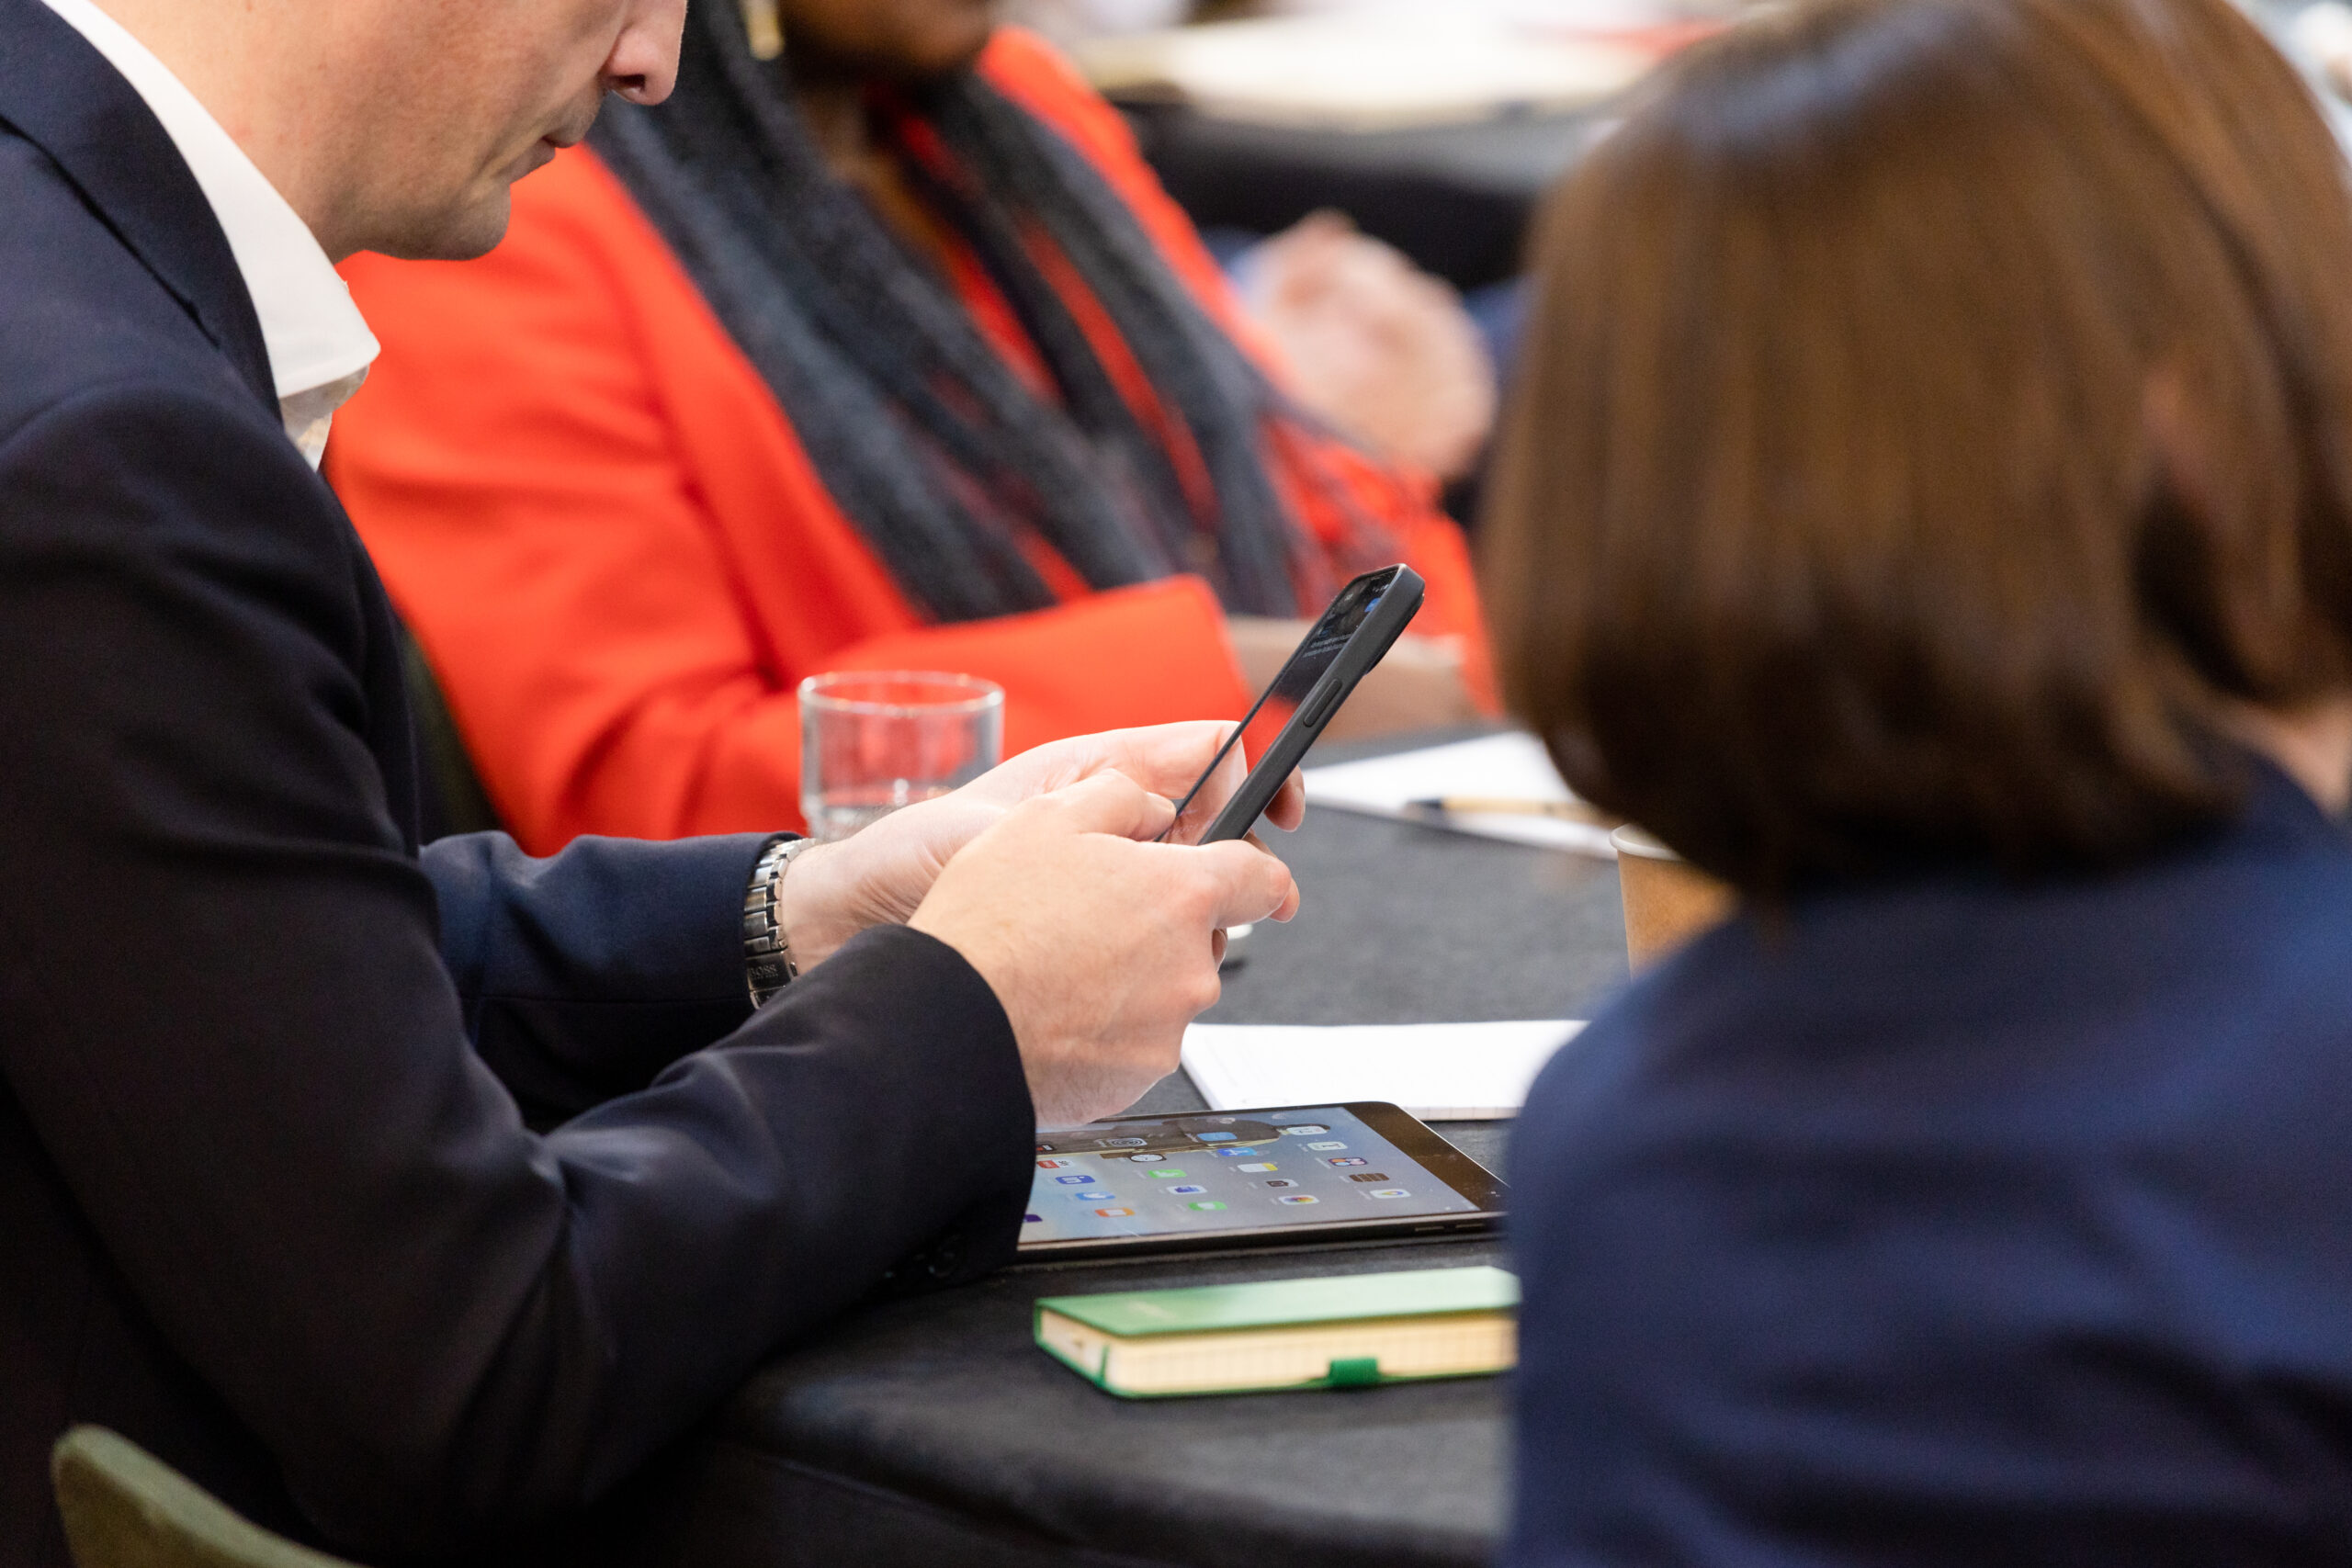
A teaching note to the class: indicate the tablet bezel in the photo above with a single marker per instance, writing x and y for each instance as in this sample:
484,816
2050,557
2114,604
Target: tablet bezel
1413,1137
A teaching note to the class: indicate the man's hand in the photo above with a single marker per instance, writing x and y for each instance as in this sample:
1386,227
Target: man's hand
878,876
1100,944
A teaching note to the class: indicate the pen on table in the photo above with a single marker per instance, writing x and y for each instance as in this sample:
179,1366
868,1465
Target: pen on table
1497,805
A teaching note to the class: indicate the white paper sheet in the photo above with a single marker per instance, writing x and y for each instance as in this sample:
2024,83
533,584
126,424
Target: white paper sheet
1510,766
1439,1072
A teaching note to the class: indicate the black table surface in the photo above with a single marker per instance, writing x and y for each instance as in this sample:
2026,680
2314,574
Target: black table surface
933,1431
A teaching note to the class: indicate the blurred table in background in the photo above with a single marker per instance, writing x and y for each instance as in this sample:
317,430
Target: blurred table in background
1445,151
1456,198
1436,125
931,1433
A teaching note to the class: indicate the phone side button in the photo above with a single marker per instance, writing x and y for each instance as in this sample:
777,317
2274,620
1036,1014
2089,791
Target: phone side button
1320,704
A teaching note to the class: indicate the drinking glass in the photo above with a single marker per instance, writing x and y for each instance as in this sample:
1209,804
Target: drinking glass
873,742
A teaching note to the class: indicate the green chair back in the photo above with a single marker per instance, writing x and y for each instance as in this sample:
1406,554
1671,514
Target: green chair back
125,1508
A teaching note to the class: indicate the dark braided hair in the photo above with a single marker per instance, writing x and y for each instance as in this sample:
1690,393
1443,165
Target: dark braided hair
926,438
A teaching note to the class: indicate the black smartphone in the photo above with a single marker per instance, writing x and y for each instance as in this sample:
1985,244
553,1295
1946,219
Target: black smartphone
1216,1179
1353,636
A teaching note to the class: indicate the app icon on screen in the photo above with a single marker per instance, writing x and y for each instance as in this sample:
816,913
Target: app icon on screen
1282,1182
1189,1188
1123,1143
1305,1129
1205,1207
1056,1164
1369,1176
1033,1219
1168,1173
1235,1154
1072,1181
1389,1192
1114,1213
1327,1146
1045,1148
1343,1160
1298,1198
1144,1159
1094,1197
1261,1169
1218,1137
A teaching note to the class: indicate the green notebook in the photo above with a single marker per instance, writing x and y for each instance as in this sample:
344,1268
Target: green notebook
1336,1331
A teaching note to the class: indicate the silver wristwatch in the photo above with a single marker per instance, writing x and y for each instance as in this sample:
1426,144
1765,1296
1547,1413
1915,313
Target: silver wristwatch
768,965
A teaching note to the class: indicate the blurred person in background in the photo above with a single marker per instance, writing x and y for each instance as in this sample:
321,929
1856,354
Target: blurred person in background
1930,512
878,347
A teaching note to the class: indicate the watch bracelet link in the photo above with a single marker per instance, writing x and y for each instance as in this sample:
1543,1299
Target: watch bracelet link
768,964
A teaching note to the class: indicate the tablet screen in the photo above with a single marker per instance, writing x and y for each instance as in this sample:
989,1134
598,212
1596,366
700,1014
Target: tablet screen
1216,1172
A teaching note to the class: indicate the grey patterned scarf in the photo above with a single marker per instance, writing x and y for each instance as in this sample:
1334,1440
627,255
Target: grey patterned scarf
922,433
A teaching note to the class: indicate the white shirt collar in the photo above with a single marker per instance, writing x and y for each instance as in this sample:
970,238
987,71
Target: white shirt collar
319,345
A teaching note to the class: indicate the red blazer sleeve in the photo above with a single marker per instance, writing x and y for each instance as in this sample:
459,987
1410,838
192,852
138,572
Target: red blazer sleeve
621,564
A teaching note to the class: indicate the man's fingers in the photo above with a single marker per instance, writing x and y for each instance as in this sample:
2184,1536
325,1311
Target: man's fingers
1220,786
1170,758
1250,885
1288,809
1290,905
1109,802
1166,759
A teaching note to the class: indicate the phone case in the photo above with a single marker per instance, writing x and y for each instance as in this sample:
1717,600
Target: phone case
1398,605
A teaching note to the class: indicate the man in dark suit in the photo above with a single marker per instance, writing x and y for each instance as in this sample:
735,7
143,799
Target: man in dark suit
270,1201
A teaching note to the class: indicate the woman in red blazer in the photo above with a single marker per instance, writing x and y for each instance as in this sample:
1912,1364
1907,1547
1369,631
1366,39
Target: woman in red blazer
889,353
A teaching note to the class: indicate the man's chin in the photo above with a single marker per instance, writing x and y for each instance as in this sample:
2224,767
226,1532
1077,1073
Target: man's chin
457,234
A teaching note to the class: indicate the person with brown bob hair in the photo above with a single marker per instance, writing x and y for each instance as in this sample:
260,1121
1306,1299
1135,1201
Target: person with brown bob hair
1928,506
1936,436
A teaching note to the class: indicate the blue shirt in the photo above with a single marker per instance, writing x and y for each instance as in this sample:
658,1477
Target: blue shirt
1955,1223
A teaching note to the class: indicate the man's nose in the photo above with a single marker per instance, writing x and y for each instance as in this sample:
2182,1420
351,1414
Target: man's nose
643,66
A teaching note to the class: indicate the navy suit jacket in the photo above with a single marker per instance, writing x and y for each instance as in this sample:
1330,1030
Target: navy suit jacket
1955,1223
269,1199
